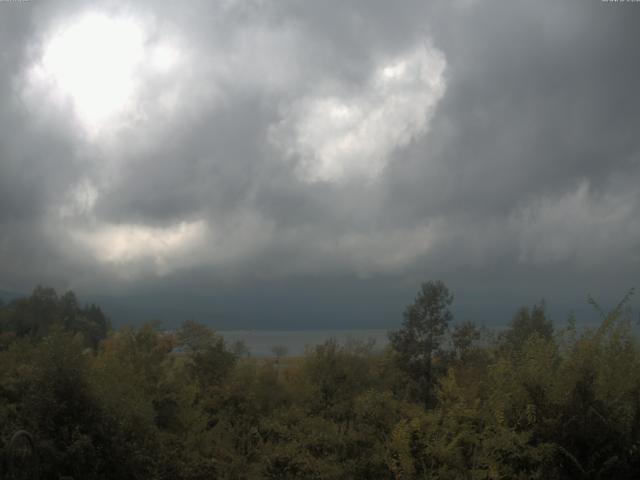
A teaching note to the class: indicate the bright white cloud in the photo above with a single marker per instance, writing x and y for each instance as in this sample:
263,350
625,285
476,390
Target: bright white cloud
128,245
95,64
352,135
164,57
131,250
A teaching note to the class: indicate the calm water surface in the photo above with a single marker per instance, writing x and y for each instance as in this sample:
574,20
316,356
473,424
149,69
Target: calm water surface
261,342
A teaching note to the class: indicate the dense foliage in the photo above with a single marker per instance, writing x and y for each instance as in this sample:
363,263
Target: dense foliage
142,403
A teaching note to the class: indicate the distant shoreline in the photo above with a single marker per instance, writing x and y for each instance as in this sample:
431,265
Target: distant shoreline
261,342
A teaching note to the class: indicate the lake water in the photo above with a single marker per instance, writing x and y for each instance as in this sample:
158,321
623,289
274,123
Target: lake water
261,342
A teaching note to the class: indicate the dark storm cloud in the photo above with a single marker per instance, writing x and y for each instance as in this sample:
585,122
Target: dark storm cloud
525,169
540,100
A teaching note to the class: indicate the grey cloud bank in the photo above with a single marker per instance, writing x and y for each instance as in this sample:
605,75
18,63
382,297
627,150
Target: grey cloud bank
301,165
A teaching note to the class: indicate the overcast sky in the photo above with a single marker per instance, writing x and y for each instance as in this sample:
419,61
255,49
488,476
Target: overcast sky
307,164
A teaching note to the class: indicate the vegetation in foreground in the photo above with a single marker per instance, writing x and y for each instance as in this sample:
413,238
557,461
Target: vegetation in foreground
441,402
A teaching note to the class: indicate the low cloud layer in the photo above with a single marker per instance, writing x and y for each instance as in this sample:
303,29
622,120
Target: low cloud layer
247,144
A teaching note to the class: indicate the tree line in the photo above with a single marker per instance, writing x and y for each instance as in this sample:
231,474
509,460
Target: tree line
441,401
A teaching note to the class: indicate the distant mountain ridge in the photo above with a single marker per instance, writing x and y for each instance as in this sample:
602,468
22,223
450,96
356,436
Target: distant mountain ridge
7,296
